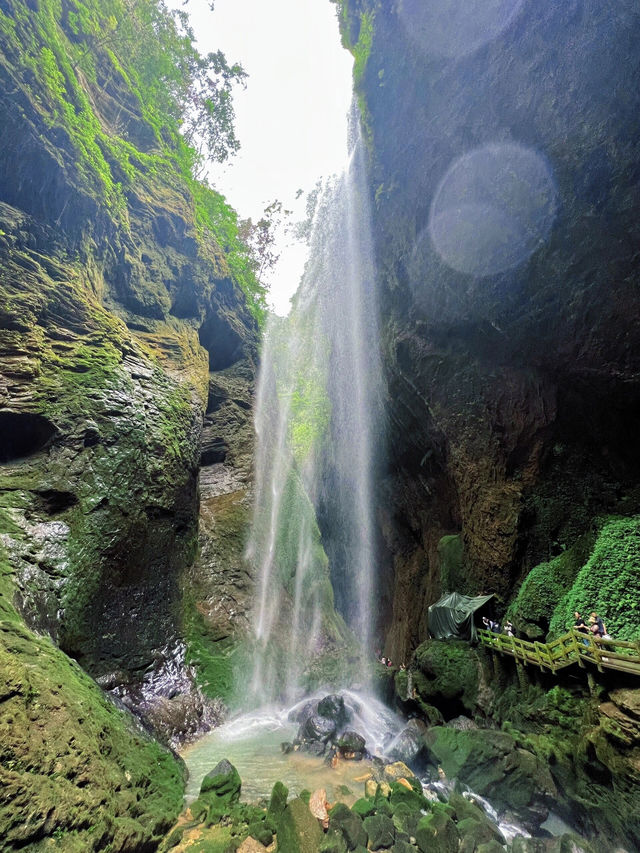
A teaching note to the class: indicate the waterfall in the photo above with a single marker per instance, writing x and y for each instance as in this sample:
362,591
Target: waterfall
317,426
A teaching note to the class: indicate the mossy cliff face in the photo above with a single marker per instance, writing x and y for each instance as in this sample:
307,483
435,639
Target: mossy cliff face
513,387
76,773
123,293
512,395
562,743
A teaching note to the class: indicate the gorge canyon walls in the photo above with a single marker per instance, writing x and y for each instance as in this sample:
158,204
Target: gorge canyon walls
513,387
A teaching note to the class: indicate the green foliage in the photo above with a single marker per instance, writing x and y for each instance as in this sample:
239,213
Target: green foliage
173,109
74,768
216,218
362,48
545,586
608,583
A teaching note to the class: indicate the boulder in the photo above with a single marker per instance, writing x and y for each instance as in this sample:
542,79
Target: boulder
409,745
317,727
437,833
332,707
318,806
300,714
370,788
380,830
277,802
221,786
298,830
349,824
334,843
397,770
403,795
351,744
363,807
492,765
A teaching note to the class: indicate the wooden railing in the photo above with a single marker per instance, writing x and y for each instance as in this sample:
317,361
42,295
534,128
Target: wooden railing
573,647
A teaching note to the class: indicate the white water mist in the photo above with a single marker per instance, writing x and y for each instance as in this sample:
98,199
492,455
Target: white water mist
317,421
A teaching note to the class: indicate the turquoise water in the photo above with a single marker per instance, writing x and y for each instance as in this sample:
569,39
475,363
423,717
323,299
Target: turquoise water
252,743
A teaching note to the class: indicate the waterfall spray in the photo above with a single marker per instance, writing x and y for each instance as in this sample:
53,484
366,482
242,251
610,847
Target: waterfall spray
317,420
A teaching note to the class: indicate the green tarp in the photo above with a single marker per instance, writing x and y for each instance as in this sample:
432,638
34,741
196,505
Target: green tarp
452,616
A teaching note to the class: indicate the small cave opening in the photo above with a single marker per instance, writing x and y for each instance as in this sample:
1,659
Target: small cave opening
221,341
23,434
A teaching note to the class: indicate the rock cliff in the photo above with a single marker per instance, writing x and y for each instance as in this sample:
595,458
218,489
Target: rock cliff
128,339
504,165
504,169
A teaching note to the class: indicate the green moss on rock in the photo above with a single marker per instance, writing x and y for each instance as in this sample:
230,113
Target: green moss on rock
545,586
609,582
75,770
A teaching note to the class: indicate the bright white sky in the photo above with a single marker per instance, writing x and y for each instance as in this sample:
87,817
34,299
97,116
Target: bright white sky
292,118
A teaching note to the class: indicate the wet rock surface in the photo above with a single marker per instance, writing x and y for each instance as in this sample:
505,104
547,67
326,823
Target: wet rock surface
402,817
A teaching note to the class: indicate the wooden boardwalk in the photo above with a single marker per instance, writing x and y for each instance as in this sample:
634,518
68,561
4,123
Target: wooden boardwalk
573,647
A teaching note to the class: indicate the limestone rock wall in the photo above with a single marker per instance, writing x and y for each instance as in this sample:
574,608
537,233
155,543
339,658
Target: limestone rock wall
512,394
118,302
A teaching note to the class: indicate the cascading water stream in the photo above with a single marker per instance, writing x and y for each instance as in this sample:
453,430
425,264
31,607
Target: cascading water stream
317,426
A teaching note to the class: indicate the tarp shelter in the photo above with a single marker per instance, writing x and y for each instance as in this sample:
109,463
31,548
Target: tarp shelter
453,616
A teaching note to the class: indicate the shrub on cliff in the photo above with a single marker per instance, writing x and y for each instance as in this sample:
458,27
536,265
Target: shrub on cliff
608,583
545,586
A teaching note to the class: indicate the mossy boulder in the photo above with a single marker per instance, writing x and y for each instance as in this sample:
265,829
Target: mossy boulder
380,831
437,833
298,830
493,765
363,807
349,824
447,674
277,801
222,785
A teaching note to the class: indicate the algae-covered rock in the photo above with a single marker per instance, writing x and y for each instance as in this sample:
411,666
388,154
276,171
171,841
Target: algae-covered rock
437,833
222,785
277,801
349,823
380,830
334,842
363,807
491,764
298,830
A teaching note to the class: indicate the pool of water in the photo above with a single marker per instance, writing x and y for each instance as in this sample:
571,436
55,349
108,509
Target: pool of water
252,743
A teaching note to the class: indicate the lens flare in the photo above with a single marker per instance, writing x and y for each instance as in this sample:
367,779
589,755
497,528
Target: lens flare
454,28
494,207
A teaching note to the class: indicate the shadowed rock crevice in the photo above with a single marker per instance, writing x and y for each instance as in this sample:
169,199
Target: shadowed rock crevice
23,434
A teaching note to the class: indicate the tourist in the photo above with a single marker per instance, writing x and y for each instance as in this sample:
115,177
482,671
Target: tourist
602,628
596,626
383,660
581,625
508,628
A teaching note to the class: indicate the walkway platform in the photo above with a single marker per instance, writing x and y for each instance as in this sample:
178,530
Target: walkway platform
573,647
